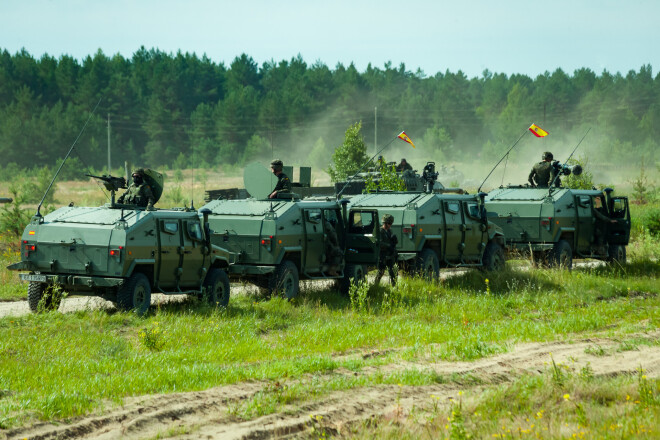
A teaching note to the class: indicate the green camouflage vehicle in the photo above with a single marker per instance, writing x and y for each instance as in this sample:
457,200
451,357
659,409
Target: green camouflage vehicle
436,230
281,241
556,225
122,253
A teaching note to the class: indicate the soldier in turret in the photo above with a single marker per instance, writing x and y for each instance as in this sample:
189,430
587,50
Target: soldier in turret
283,185
387,256
139,192
403,166
543,172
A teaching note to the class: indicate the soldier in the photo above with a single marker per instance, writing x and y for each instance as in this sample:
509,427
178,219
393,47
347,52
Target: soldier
333,251
387,256
283,185
600,227
403,166
543,172
139,192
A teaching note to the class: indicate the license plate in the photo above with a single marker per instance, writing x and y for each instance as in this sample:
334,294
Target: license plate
31,277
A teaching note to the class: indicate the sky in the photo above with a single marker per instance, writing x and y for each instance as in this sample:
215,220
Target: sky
506,36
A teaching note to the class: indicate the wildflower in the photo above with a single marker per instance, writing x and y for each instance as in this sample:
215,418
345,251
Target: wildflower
567,397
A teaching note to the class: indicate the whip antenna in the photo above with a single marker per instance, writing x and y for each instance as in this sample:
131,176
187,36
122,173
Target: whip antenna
499,161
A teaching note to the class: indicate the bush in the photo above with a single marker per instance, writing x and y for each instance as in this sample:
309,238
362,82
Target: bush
350,156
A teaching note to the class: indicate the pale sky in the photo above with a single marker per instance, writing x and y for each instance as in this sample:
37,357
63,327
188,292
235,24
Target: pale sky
506,36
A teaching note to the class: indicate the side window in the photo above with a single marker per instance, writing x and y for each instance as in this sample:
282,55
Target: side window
195,231
472,210
361,222
584,201
313,216
171,227
453,207
619,208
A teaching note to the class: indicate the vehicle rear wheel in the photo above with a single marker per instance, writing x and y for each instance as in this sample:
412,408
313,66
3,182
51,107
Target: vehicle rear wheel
353,274
42,298
616,253
285,280
427,265
561,255
135,294
216,287
493,258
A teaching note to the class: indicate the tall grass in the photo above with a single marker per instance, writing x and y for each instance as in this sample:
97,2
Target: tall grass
59,365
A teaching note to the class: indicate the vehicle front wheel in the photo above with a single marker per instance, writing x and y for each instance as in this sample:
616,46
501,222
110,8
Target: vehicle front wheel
493,258
285,280
616,253
427,265
353,274
43,297
135,294
216,287
561,255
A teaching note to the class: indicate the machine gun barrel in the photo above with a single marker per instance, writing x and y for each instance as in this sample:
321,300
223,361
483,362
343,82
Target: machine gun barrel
111,183
6,200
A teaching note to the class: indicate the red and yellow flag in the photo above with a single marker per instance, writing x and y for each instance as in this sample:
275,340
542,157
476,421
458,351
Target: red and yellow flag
537,131
404,137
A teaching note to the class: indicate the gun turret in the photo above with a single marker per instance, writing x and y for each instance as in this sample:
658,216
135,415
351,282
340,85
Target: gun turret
429,175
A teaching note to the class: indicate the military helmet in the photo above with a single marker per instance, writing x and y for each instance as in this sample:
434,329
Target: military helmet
139,172
388,218
276,164
547,155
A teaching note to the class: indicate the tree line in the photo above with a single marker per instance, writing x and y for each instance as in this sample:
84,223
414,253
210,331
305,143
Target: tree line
183,110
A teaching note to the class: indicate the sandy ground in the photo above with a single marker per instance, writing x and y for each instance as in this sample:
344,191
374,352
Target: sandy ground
208,414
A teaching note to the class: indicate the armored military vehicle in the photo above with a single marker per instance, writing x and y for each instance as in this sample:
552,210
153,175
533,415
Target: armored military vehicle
556,225
281,241
122,253
436,229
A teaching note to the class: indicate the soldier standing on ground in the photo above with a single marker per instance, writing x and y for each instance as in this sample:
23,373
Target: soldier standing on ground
283,185
387,256
403,166
543,172
139,192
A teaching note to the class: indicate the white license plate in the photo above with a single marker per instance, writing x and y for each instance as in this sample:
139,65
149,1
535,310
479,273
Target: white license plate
31,277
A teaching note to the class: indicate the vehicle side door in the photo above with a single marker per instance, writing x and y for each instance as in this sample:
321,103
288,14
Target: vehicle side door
192,245
474,232
585,227
313,250
619,232
454,236
169,232
362,237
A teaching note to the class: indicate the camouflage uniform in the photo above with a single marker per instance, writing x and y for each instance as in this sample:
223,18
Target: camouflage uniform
543,173
333,251
283,185
403,166
139,194
387,256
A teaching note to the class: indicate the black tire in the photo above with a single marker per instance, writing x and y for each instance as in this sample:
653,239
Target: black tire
616,254
353,274
427,265
40,299
216,285
285,279
135,294
493,258
561,255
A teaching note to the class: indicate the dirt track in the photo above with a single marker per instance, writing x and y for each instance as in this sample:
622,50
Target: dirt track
207,414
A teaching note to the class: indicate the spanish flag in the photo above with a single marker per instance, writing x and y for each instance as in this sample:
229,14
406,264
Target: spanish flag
537,131
404,137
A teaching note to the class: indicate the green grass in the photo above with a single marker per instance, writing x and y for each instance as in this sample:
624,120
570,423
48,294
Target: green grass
56,366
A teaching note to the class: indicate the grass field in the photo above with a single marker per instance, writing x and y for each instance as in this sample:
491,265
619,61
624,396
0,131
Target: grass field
57,367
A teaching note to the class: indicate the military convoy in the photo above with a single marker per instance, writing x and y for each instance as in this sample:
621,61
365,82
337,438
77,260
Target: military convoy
557,224
122,253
